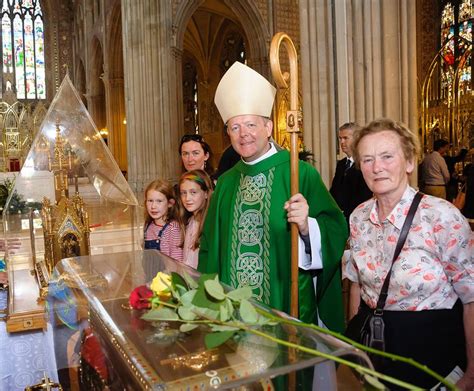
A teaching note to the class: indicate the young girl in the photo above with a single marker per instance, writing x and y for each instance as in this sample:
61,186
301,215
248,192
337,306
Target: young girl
195,189
162,232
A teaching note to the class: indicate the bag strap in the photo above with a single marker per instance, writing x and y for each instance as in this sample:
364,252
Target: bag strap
401,241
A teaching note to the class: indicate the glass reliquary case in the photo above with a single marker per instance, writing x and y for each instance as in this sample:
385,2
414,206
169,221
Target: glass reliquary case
69,199
118,349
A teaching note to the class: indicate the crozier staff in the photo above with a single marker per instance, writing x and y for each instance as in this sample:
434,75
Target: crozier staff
429,310
246,236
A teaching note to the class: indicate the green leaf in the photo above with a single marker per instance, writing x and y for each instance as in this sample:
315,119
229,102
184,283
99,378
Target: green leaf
207,313
188,297
181,290
240,293
248,312
212,340
177,279
230,307
161,314
263,321
224,313
187,313
174,292
204,277
178,282
202,299
215,289
187,327
192,284
372,383
218,327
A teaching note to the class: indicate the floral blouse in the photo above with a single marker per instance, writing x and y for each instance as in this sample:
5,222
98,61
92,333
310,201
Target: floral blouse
435,266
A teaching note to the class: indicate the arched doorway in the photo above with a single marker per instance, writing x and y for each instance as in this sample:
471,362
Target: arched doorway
212,36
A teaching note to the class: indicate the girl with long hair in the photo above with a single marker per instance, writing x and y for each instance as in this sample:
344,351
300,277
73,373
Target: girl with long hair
195,189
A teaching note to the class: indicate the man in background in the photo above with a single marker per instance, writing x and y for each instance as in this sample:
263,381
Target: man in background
348,185
454,179
434,170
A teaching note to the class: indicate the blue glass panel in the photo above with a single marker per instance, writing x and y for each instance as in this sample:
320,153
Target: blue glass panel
40,69
29,58
19,57
7,45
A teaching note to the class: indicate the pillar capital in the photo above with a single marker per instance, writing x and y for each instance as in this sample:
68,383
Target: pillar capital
176,53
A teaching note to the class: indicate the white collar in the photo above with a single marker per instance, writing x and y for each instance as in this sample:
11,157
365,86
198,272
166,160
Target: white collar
267,154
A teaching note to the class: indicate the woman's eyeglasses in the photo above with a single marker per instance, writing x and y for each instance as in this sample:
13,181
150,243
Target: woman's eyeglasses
192,137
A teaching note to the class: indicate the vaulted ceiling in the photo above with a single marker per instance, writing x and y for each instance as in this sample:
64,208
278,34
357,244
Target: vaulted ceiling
206,29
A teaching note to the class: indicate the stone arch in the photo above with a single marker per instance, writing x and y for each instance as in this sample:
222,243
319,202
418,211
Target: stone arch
246,18
96,88
247,14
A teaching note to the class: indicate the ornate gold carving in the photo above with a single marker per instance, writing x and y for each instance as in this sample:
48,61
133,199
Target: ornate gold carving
42,275
65,224
195,361
45,384
18,125
446,112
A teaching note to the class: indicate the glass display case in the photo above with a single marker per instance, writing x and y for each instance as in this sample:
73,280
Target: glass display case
69,199
131,353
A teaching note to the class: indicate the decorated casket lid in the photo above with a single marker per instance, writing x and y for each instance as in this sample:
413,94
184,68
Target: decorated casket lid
155,354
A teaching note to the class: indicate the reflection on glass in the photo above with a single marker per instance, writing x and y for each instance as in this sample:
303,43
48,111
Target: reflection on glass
68,160
150,355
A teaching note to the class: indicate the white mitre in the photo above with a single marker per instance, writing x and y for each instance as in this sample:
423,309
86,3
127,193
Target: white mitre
243,91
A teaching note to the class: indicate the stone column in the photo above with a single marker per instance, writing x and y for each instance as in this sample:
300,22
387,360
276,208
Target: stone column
318,83
358,64
117,139
95,105
150,91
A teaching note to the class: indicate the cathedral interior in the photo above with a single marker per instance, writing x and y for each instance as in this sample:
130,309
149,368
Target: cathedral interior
147,71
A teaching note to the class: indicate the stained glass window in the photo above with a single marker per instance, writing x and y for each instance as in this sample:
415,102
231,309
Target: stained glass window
23,48
456,44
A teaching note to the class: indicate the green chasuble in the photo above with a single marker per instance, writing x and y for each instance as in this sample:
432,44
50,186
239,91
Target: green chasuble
246,238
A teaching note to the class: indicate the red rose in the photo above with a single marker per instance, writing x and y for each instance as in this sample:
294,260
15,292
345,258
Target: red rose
140,297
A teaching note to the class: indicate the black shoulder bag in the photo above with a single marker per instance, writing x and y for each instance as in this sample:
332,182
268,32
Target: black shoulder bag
367,326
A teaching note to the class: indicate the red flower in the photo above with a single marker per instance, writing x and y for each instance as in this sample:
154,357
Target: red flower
140,297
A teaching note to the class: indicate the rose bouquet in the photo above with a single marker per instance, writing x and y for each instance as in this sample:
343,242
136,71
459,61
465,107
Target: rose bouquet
143,297
228,314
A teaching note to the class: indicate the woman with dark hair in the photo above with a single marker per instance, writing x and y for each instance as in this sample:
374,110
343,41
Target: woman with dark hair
195,153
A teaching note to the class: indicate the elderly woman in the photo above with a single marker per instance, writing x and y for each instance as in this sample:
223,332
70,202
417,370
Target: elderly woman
429,311
195,153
